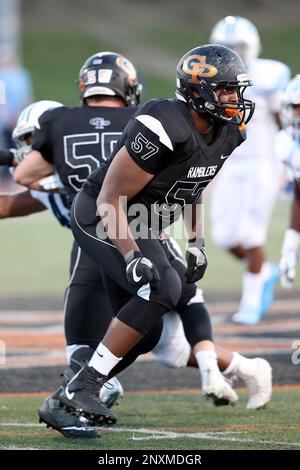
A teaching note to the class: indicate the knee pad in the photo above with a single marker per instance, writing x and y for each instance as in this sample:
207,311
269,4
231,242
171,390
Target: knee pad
170,288
142,312
172,350
141,315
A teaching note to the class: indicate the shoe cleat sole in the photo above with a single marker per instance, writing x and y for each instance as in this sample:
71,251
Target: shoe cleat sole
216,400
98,420
93,434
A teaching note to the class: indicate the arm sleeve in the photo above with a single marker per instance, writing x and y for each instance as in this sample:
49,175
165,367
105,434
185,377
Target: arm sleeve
6,157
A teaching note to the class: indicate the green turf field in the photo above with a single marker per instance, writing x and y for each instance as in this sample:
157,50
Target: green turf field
36,255
165,422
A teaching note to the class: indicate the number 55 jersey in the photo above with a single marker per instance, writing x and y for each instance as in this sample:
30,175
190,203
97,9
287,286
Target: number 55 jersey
163,140
77,139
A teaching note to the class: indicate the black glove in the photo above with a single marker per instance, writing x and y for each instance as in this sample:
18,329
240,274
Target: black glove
196,260
6,157
139,270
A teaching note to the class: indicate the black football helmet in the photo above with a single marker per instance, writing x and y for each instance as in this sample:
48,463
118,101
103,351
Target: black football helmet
201,70
109,74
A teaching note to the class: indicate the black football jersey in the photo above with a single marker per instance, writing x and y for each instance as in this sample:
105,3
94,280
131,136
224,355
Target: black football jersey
163,140
77,139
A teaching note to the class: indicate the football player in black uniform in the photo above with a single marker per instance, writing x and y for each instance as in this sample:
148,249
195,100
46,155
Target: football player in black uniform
74,142
168,153
196,305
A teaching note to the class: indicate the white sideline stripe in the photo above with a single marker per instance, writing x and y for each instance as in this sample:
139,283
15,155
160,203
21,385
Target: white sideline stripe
156,127
161,434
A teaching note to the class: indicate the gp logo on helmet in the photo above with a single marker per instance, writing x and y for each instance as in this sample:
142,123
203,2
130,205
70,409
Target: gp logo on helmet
196,66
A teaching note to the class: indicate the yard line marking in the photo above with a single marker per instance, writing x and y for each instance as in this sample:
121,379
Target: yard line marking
206,436
227,429
156,434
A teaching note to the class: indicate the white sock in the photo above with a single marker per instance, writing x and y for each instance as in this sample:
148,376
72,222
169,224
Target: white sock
240,364
252,289
206,360
103,360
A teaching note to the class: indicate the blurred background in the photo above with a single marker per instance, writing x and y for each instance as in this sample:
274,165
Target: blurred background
52,40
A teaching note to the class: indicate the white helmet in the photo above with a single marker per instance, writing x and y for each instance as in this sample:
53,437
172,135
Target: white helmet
28,119
239,34
291,98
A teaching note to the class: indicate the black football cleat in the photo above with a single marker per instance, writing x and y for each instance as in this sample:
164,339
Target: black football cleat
81,395
55,416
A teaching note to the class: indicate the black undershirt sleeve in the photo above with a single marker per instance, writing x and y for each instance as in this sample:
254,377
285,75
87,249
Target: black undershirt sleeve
6,158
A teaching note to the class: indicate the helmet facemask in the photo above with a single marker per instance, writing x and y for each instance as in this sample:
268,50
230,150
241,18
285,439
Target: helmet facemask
205,70
24,140
203,98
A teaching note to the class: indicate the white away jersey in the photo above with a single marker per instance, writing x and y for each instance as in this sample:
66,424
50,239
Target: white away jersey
270,78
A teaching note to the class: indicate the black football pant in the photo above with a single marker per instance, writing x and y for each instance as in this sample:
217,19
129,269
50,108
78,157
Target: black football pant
144,306
87,309
88,312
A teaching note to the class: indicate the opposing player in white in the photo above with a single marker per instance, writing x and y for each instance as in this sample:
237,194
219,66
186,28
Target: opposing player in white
173,350
287,147
245,191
